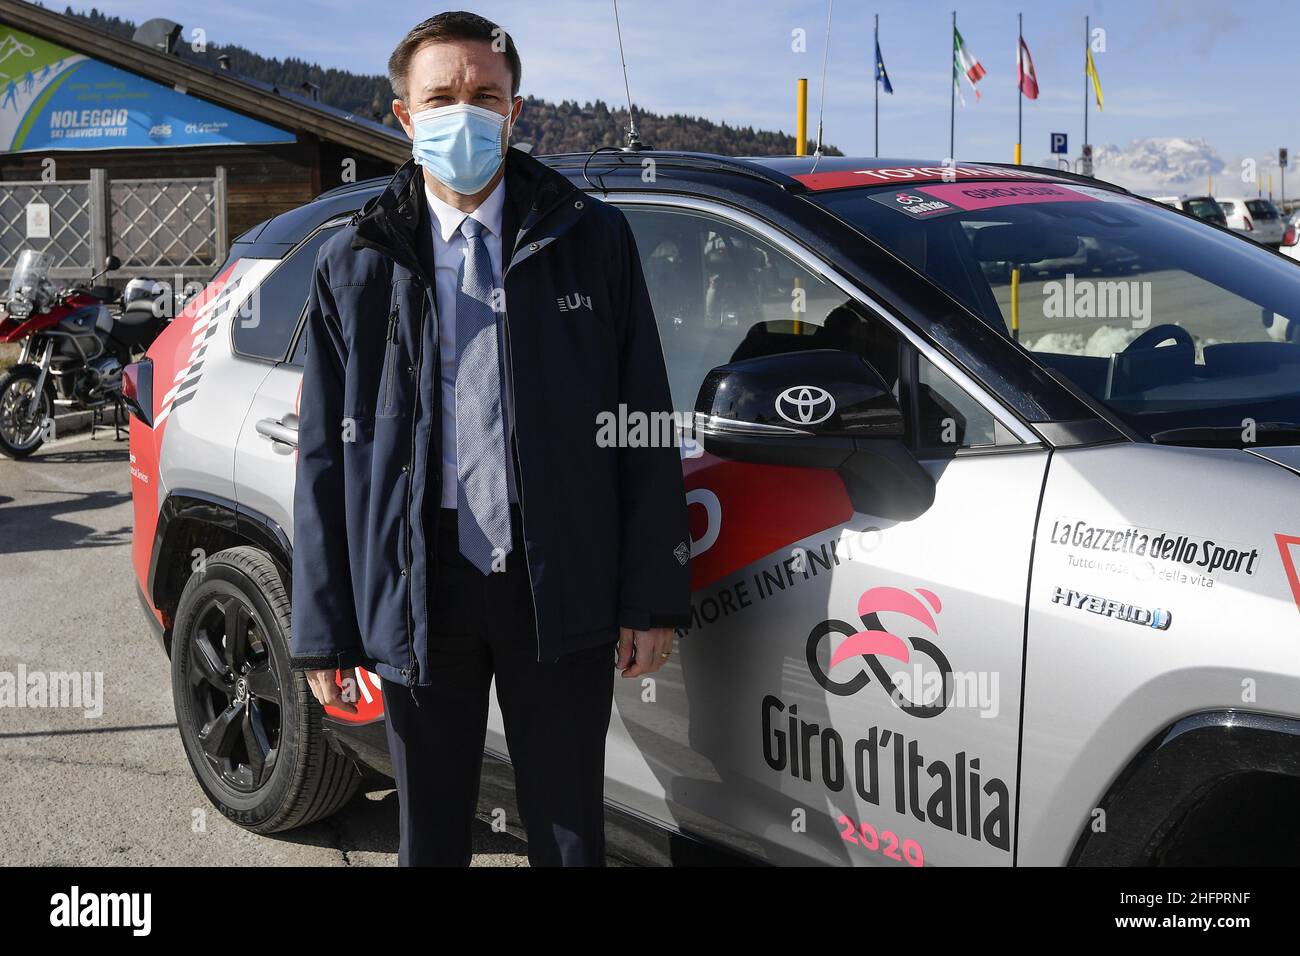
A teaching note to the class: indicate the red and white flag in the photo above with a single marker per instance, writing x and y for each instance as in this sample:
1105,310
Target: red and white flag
1025,71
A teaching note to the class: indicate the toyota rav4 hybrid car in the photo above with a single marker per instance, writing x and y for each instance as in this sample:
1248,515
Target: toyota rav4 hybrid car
978,577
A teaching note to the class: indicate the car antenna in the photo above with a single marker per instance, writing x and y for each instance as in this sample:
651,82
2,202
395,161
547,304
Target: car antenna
821,100
632,139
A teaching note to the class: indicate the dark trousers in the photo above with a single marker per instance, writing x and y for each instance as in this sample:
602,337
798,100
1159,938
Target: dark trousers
556,714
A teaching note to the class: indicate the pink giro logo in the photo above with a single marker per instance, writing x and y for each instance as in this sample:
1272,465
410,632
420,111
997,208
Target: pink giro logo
875,641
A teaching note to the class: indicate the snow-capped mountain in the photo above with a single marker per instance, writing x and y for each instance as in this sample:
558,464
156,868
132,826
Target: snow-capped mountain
1165,165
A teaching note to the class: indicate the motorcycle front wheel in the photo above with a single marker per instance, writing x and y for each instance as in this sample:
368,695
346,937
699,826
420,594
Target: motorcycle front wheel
22,431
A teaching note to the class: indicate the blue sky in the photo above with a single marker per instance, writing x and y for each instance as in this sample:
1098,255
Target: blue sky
1210,69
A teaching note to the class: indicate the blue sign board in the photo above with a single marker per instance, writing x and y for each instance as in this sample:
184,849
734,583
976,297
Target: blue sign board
52,98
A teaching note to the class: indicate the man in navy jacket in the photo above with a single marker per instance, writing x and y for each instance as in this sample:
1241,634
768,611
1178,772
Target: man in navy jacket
457,516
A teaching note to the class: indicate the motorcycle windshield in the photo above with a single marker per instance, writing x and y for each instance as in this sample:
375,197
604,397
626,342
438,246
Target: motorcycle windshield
29,273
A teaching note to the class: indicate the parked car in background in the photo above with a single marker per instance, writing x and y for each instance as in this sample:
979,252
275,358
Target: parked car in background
1089,257
1257,219
1202,207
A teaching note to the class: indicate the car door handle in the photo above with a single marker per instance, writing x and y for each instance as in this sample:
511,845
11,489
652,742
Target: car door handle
283,430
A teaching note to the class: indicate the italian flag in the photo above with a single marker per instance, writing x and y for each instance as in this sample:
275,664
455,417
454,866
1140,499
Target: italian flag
963,61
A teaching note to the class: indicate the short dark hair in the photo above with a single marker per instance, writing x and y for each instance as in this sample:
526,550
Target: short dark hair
452,25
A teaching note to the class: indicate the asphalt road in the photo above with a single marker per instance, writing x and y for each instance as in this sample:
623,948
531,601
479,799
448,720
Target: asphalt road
115,789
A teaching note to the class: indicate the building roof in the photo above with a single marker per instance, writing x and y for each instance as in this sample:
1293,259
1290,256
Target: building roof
260,100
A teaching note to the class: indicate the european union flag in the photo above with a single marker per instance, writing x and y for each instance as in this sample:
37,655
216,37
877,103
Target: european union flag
882,77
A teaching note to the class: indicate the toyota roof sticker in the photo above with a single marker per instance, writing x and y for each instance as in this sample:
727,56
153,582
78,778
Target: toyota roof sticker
840,179
971,196
929,202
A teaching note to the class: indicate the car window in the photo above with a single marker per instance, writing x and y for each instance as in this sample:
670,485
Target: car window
266,320
1261,208
721,294
949,417
1206,209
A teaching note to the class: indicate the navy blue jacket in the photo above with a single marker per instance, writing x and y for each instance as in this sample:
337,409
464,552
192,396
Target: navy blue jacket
605,529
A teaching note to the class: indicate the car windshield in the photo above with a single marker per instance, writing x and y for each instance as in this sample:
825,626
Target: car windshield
1167,321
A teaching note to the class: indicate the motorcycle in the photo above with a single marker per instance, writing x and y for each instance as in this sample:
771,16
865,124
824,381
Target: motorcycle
74,348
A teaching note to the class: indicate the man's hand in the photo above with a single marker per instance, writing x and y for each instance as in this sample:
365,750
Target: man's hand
327,691
643,652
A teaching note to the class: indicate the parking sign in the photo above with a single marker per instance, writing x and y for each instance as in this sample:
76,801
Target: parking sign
1059,143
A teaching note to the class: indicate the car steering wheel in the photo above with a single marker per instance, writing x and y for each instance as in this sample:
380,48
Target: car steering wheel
1157,334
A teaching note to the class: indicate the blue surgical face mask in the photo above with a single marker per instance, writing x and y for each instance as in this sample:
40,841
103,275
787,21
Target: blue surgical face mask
460,145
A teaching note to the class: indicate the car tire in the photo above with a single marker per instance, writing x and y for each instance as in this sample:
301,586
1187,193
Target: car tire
13,379
252,731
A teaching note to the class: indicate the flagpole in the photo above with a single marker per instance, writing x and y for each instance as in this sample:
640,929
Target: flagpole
1020,84
876,71
952,94
1087,32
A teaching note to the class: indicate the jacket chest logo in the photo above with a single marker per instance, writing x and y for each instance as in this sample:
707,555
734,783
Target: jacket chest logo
573,302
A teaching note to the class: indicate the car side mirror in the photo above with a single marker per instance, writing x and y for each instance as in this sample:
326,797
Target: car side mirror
821,408
112,263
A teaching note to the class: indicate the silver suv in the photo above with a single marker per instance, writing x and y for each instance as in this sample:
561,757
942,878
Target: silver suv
1043,610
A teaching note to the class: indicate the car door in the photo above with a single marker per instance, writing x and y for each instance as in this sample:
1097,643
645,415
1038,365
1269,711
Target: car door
761,734
266,454
204,390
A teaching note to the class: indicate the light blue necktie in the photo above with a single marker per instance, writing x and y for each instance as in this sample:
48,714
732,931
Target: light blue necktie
482,492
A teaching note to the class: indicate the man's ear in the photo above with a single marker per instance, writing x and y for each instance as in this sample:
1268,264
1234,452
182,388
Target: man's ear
516,110
404,117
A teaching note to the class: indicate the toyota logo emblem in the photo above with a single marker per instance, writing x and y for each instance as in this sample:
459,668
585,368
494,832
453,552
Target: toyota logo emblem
805,405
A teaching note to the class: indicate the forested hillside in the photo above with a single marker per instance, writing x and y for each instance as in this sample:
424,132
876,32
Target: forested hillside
551,127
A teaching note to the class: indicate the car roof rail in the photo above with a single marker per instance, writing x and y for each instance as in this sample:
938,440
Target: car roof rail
621,158
671,159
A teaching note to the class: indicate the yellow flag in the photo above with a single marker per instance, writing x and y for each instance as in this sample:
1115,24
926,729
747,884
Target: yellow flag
1096,80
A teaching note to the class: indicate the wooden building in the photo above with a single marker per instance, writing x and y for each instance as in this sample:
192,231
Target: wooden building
90,100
